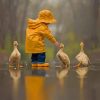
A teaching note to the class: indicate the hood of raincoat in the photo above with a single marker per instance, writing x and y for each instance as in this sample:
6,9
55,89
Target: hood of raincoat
33,24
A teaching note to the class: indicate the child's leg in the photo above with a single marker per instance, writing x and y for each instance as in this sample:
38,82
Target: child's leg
39,70
41,57
41,61
34,58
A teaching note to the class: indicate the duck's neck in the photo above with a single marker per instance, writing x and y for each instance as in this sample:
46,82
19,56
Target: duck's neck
82,48
61,49
15,47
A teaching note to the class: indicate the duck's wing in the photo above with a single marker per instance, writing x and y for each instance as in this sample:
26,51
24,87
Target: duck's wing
62,59
67,58
78,56
11,56
82,57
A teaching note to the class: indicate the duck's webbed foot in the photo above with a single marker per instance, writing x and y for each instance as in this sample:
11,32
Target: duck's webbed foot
78,65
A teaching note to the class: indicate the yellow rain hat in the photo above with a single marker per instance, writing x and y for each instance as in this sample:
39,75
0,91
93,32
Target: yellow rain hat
46,16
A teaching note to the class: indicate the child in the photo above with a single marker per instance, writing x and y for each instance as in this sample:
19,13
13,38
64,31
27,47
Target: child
37,30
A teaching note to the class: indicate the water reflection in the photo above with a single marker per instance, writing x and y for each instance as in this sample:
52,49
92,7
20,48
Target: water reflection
34,85
82,71
15,74
61,73
38,87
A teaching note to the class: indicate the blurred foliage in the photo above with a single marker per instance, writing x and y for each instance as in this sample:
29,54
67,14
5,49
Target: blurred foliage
72,46
79,22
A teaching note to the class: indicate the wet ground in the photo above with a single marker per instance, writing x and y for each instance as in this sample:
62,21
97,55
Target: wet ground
25,86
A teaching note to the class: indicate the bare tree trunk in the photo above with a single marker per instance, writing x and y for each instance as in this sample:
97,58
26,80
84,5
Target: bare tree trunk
13,18
94,34
3,25
23,19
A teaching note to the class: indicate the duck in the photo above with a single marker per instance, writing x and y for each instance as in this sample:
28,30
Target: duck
63,69
82,57
63,57
15,56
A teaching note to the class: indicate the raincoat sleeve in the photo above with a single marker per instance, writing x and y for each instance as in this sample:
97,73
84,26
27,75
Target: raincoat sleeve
49,36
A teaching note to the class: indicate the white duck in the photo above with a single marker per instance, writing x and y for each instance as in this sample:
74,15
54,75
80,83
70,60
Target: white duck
15,56
82,57
63,57
65,66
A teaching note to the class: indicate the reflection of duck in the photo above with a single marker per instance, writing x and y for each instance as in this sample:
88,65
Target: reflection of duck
15,74
82,71
61,72
15,55
82,57
63,57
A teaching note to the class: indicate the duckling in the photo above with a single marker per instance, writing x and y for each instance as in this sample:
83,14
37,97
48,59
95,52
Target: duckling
82,57
15,56
63,57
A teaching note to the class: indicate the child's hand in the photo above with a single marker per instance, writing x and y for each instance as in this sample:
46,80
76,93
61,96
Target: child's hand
61,45
57,44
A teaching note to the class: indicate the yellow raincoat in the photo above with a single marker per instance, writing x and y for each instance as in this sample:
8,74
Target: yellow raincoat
36,32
